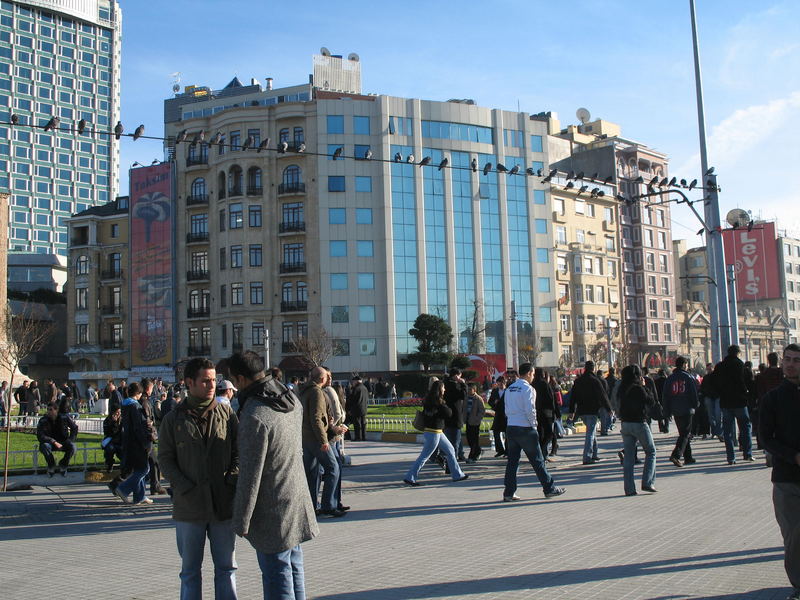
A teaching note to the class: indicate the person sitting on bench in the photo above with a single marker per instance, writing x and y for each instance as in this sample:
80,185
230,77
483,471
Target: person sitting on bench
56,432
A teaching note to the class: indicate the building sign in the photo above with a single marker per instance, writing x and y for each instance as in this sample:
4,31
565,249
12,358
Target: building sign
755,258
151,256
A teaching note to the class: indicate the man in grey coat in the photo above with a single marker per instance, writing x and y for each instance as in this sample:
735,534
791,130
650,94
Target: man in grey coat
272,508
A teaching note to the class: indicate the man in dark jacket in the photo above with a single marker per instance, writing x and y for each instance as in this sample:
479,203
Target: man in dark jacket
779,430
112,438
658,382
198,454
730,380
680,400
455,396
56,432
271,509
357,402
769,377
588,395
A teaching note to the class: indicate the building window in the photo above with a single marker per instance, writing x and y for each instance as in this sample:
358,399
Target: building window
368,347
293,213
235,216
283,135
223,295
114,230
82,265
667,332
338,248
541,225
292,179
663,263
544,284
653,308
653,332
338,281
337,216
294,254
223,258
237,294
361,151
365,248
340,314
236,140
256,292
255,255
82,333
366,314
222,219
299,136
254,216
335,124
236,257
667,309
363,183
360,126
363,216
366,281
565,322
81,298
341,347
336,183
235,178
545,314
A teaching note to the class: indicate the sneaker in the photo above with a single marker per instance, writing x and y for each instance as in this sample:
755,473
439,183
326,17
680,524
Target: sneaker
343,508
499,454
634,493
145,500
331,514
732,462
462,478
556,491
749,459
621,456
121,496
795,595
675,461
650,489
512,498
412,483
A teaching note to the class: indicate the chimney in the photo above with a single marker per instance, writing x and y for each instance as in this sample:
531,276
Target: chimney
269,83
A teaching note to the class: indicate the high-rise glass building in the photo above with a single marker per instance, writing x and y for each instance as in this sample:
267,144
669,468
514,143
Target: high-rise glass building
58,58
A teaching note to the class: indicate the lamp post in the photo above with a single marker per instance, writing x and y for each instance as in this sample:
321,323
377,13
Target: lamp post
611,324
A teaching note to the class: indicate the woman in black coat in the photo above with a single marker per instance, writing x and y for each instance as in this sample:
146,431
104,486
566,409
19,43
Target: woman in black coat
545,408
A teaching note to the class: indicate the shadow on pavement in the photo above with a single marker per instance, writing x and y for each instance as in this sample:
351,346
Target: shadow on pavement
555,579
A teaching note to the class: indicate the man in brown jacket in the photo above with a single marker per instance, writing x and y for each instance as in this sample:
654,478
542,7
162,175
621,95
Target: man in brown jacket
198,454
317,451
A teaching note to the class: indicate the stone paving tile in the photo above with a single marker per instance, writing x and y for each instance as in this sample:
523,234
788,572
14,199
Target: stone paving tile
708,533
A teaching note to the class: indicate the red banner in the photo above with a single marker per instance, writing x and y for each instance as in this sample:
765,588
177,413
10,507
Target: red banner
151,284
489,366
754,255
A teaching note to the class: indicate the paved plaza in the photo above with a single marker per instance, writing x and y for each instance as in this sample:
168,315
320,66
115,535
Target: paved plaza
708,533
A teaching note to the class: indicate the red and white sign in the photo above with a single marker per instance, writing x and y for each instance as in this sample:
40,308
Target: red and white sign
755,257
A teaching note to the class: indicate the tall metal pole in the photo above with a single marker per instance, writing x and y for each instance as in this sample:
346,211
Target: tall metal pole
717,295
514,353
732,307
266,348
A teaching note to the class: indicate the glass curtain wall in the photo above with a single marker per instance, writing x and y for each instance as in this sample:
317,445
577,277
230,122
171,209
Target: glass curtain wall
404,244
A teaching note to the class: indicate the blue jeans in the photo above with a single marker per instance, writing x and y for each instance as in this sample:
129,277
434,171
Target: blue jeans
590,441
67,447
714,415
430,442
313,459
191,539
453,435
742,418
135,483
606,424
632,433
282,574
524,439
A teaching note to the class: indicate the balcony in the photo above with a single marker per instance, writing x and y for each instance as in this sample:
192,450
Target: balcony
293,267
292,227
297,306
111,274
197,237
292,188
196,160
113,344
111,311
255,190
202,312
197,275
196,199
234,191
198,350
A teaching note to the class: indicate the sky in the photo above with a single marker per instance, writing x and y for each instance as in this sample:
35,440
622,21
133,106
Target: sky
627,62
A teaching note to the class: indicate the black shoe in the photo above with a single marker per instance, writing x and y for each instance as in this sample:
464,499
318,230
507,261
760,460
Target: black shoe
462,478
631,493
689,461
621,456
499,454
112,485
63,471
331,514
412,483
651,489
343,508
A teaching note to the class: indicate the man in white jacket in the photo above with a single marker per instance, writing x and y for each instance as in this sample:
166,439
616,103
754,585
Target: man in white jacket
521,436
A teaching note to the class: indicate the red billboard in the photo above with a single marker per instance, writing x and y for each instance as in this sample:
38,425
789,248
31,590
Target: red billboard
754,255
151,255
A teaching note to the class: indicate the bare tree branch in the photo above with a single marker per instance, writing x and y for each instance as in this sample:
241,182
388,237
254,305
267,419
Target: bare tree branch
315,348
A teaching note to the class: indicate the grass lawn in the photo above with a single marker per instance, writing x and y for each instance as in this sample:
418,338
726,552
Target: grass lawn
27,441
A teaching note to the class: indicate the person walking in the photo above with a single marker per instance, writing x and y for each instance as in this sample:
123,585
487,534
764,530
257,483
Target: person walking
475,412
779,432
198,454
272,509
435,412
710,395
455,396
137,441
635,403
357,403
730,379
680,400
497,404
587,396
521,436
545,409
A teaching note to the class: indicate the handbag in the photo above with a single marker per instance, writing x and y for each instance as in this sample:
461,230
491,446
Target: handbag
419,421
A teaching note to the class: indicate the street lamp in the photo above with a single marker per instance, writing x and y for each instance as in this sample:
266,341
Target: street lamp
611,324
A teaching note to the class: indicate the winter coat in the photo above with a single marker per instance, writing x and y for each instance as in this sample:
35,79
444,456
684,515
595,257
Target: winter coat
679,396
137,437
588,395
476,410
455,396
59,430
730,381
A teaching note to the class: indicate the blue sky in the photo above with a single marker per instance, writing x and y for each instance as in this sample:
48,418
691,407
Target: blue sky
627,62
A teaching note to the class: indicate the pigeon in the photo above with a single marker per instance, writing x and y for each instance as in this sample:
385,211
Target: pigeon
426,160
398,157
474,164
608,180
410,158
338,152
81,126
694,183
368,154
14,119
181,136
283,147
514,170
486,168
138,133
263,145
501,168
52,124
248,142
301,148
443,164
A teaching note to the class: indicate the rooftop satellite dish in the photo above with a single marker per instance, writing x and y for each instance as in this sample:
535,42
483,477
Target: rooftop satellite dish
324,51
738,217
353,56
583,115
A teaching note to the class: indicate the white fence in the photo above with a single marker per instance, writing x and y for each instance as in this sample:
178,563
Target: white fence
403,424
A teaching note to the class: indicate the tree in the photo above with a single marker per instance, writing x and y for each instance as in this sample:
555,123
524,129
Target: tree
529,345
21,335
471,330
462,362
598,352
315,348
434,337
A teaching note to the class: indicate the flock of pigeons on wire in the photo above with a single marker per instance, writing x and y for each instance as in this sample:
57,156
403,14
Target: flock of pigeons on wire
283,146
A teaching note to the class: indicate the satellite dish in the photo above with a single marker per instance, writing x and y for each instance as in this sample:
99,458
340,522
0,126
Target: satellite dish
583,115
353,56
738,217
324,51
176,88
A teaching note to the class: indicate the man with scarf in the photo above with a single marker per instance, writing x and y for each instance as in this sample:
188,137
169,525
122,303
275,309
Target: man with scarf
198,454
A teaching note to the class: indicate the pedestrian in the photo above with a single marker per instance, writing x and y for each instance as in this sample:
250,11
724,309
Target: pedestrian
198,453
225,392
112,438
455,396
137,440
779,431
558,428
497,404
587,396
635,403
435,413
475,412
545,409
56,431
710,395
91,397
732,384
522,436
680,400
272,509
336,431
357,403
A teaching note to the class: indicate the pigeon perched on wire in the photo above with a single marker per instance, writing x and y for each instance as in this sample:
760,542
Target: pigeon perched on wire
139,132
444,163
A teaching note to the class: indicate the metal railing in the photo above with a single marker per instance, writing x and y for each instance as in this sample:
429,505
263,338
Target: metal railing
198,350
196,199
291,226
196,275
296,306
404,424
111,274
198,313
254,190
292,188
293,267
198,236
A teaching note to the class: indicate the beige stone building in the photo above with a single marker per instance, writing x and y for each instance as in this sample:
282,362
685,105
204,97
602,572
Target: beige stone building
98,293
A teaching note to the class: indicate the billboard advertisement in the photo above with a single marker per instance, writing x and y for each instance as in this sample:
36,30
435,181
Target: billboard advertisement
754,255
151,257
